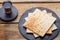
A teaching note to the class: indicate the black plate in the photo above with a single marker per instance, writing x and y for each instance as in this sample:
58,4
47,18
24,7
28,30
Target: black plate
31,36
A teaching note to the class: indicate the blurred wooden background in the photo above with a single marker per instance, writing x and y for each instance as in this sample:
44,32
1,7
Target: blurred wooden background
10,31
32,0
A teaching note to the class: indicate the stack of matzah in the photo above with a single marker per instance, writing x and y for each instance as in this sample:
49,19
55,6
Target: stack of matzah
40,23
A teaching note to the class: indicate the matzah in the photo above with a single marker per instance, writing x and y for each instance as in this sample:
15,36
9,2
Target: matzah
50,30
34,24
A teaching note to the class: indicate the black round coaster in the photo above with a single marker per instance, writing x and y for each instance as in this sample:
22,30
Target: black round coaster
6,18
8,11
31,36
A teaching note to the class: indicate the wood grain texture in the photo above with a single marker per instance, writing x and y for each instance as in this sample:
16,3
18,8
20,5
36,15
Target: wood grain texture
32,0
2,32
12,32
22,7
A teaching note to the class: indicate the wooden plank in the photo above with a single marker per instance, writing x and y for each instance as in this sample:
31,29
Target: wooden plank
2,32
22,7
12,32
32,0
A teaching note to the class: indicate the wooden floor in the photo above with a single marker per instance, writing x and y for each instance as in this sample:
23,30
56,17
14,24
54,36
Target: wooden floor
10,31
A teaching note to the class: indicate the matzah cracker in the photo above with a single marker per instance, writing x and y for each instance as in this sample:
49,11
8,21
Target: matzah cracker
33,15
35,35
28,16
28,31
41,23
53,26
44,11
50,30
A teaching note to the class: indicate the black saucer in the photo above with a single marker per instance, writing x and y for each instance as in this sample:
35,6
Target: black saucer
30,36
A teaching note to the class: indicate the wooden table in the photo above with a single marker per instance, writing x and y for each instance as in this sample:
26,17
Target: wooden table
10,31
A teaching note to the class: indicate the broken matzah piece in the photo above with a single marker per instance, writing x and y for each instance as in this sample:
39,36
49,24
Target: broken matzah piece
28,31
